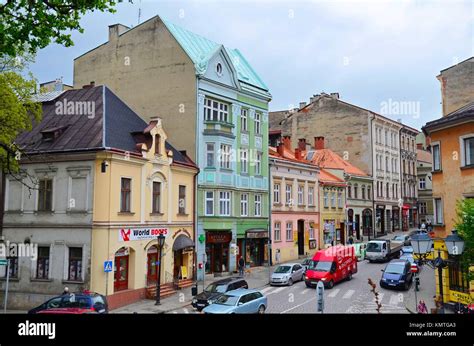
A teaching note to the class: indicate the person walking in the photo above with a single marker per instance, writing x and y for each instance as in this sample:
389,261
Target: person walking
277,256
241,266
422,309
66,290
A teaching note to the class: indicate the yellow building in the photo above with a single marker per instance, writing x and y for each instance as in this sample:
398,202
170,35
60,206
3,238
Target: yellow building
332,194
137,196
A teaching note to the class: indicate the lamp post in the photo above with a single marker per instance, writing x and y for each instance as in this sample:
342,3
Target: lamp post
161,242
422,248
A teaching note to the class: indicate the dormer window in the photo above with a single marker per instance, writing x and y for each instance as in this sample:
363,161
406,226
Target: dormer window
50,134
219,69
157,145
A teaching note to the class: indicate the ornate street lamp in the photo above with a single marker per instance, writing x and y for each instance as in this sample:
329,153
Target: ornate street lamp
422,245
161,243
454,243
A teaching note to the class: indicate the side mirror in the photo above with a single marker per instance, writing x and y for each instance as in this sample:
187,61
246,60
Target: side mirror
240,303
382,270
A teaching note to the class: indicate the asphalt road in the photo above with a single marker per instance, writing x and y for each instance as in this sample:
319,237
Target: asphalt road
352,296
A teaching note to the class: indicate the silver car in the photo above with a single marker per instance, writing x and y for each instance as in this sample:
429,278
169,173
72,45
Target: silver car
287,274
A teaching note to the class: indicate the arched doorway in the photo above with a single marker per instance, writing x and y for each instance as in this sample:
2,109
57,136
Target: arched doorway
182,249
152,265
121,269
367,222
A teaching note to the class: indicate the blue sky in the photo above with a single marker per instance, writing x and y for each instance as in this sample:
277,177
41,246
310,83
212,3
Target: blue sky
373,53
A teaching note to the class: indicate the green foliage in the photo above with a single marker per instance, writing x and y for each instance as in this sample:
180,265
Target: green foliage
465,227
29,25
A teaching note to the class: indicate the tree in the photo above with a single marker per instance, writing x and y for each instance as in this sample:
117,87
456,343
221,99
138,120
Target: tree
29,25
465,227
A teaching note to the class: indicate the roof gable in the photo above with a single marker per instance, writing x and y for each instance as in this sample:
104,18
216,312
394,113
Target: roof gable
326,158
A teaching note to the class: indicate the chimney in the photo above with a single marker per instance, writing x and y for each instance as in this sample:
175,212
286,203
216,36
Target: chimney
302,144
419,146
87,86
302,104
319,143
281,149
287,142
335,95
297,153
58,84
116,30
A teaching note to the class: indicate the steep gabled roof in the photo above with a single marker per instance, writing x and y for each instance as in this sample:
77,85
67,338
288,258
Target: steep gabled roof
459,116
326,158
326,177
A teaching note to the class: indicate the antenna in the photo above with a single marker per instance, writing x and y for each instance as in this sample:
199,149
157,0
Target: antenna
139,11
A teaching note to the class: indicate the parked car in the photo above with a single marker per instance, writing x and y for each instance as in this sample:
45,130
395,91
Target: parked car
404,238
215,290
306,263
360,249
397,274
287,274
331,266
422,231
74,303
409,257
381,250
241,301
406,250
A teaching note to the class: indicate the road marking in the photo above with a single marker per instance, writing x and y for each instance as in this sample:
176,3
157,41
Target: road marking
279,289
186,311
266,289
297,306
175,312
394,299
348,294
305,291
334,293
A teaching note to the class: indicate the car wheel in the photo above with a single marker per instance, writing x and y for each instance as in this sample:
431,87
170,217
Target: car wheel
331,284
261,309
308,285
349,277
290,282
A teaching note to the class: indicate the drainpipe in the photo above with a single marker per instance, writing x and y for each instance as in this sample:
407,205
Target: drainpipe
270,184
371,119
196,240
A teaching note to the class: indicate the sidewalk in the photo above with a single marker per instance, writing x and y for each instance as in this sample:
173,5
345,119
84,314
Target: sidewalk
427,291
257,277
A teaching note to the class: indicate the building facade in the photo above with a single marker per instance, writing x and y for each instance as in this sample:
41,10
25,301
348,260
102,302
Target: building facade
216,108
425,184
409,191
295,204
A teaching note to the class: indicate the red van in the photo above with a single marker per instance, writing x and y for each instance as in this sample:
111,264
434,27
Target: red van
331,265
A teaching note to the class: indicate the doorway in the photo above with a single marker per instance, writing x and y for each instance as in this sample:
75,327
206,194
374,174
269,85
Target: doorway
357,226
121,270
300,237
152,265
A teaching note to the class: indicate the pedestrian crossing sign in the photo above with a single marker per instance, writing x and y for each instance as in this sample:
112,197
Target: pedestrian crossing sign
107,266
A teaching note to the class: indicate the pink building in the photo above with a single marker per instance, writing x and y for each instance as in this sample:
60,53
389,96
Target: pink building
295,204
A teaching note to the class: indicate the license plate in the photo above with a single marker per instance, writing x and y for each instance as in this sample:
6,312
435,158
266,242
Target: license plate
391,284
200,304
314,282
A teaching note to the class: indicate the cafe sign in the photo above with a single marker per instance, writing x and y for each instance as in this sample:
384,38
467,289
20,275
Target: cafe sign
460,297
129,234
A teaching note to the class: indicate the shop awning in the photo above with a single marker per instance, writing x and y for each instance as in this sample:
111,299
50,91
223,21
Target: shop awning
182,242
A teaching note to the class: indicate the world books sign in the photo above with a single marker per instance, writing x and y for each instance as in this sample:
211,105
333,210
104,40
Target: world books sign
129,234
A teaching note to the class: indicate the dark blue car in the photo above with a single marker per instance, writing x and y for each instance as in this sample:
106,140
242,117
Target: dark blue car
397,274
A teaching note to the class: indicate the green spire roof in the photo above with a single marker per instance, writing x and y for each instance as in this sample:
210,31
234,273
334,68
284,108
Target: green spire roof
201,49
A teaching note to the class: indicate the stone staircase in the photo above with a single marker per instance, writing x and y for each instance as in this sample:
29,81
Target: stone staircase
168,289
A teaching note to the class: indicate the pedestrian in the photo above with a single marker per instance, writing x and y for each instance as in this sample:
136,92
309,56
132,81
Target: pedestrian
351,240
422,309
423,226
241,266
66,290
277,256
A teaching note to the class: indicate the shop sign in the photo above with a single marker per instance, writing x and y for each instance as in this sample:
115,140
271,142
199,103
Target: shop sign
460,297
257,234
218,237
128,234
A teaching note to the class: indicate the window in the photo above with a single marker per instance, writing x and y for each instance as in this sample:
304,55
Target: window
258,205
349,191
438,204
225,156
157,145
289,194
339,199
182,200
219,69
244,161
393,190
258,164
311,231
216,111
13,268
45,195
277,231
75,264
310,195
422,207
422,183
243,120
458,277
333,199
436,157
369,192
125,195
387,167
387,186
224,203
467,150
356,191
276,193
156,203
209,203
42,263
325,199
289,231
386,138
258,129
244,204
210,155
300,194
363,191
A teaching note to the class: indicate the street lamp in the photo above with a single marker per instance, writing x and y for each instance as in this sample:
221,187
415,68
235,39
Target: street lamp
454,243
422,244
161,242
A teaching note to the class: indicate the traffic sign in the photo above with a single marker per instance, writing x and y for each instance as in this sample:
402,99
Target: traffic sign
3,262
108,267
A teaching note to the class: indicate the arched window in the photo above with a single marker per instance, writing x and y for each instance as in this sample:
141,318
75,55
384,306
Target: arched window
349,191
157,145
363,191
356,187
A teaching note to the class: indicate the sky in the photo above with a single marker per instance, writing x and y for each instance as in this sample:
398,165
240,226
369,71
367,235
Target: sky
380,55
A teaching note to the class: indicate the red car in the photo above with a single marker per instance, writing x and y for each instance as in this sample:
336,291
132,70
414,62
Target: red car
74,303
331,266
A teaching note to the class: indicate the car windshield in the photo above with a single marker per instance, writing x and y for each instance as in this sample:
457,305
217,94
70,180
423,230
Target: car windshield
374,247
394,268
320,266
283,269
407,249
399,238
305,262
408,258
227,300
216,288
